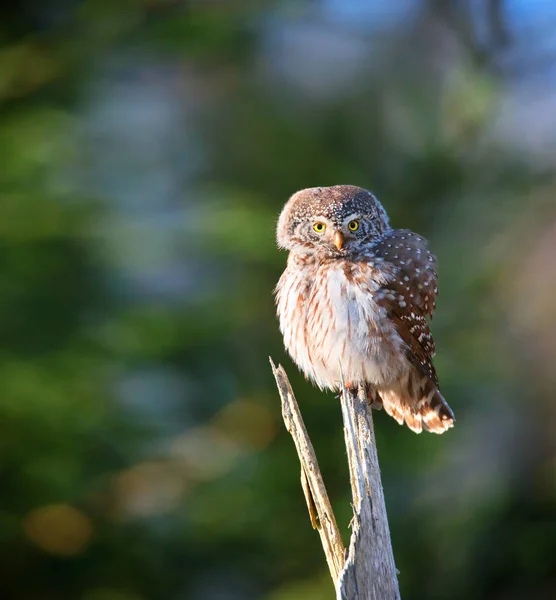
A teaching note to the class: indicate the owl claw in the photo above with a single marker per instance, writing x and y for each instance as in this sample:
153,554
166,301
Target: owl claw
349,387
373,398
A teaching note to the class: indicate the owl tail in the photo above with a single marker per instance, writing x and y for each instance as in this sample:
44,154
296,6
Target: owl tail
424,408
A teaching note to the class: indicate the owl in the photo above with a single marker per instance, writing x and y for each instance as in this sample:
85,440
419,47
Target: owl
353,303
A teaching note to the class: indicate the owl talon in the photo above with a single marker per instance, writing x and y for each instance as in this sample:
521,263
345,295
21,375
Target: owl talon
373,398
350,388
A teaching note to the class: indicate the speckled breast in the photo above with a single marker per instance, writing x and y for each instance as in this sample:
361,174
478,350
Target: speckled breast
332,325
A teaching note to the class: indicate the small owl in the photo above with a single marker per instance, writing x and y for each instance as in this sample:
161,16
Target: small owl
354,301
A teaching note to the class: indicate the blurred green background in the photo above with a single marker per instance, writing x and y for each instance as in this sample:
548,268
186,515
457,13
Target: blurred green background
146,149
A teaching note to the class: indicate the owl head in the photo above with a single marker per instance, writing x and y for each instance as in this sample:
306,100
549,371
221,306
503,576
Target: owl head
332,221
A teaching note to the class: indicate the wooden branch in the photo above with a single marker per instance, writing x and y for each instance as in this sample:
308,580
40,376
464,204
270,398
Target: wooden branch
320,509
368,571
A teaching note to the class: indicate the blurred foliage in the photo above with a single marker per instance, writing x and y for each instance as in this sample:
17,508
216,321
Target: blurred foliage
147,148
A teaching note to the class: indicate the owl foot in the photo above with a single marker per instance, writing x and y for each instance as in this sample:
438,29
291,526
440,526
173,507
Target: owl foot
373,398
350,387
354,390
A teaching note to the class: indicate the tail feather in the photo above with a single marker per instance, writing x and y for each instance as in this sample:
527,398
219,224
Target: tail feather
437,415
424,409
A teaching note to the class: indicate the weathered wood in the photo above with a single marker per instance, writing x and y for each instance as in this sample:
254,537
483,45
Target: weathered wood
316,496
368,571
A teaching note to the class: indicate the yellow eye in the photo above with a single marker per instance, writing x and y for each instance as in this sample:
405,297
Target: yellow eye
353,225
319,227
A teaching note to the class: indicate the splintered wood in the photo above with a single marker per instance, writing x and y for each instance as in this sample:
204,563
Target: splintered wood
320,509
367,570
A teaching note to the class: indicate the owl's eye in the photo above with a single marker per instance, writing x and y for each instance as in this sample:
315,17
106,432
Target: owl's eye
319,227
353,225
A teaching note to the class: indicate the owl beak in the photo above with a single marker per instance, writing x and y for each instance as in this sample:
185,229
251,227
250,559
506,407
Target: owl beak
338,240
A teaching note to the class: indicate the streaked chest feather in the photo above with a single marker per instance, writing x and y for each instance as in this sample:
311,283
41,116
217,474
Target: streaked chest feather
328,317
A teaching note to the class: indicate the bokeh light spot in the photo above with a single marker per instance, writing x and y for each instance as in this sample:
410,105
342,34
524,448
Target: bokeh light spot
206,453
247,422
149,488
58,529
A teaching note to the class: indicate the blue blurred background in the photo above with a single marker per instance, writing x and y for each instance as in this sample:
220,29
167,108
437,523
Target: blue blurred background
146,149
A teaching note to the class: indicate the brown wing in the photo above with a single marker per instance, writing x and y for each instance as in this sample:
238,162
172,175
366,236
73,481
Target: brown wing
410,294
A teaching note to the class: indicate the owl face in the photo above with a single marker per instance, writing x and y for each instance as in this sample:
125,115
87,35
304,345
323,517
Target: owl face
333,221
